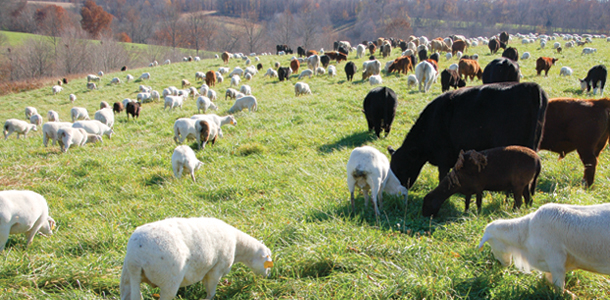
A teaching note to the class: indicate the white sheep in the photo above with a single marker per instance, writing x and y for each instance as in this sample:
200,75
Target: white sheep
425,73
36,119
588,50
56,89
313,63
94,127
193,92
115,80
154,95
525,55
23,212
219,78
72,98
100,74
69,136
129,78
52,116
453,67
237,71
242,103
144,97
79,113
370,67
223,70
220,121
92,77
197,58
245,89
375,80
173,102
565,71
248,76
555,239
360,50
458,55
49,131
192,250
231,93
248,62
332,71
556,45
145,76
301,88
412,81
18,126
125,102
542,44
184,158
212,95
448,56
205,104
203,90
187,129
106,116
199,76
276,64
145,89
167,62
91,86
306,72
368,168
235,80
30,111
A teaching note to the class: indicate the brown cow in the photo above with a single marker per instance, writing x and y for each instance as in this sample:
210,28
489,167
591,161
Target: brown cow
401,64
372,48
225,57
544,63
577,124
334,55
434,63
294,65
210,78
311,52
458,45
470,67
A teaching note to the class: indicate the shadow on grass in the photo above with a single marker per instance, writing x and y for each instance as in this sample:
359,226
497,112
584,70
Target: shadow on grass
351,141
576,91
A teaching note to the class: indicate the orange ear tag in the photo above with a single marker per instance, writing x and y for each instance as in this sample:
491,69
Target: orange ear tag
268,264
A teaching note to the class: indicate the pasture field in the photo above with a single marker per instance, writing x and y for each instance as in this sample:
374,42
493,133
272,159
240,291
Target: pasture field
279,175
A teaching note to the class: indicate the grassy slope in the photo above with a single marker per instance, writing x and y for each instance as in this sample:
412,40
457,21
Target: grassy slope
279,176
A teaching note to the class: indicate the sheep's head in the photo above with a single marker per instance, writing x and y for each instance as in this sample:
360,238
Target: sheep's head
261,262
500,250
47,228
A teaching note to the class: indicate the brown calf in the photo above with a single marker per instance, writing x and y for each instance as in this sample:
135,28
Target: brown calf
210,78
225,57
544,63
294,65
458,45
311,52
401,64
470,67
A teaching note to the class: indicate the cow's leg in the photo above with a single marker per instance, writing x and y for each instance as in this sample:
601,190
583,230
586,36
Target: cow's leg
442,172
588,158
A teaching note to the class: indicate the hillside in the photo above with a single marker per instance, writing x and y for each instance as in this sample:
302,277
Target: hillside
278,175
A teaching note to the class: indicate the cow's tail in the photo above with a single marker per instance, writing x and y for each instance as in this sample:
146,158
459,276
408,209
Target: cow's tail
535,181
543,101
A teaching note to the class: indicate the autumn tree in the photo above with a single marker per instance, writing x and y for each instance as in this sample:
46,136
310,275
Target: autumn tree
94,19
51,21
123,37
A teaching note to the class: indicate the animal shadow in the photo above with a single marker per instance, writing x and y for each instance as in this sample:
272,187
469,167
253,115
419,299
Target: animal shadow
351,141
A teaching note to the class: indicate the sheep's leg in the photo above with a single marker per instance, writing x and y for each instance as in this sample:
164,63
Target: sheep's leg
467,202
5,230
45,139
589,160
169,290
365,193
193,176
177,170
211,281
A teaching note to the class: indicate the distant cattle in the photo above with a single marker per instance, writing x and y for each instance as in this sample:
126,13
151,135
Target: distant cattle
596,78
494,46
372,48
581,125
350,70
501,70
325,60
504,37
379,107
458,45
451,78
544,64
284,48
337,56
210,78
511,53
311,52
133,109
479,118
294,65
470,68
225,57
401,64
301,51
422,54
283,73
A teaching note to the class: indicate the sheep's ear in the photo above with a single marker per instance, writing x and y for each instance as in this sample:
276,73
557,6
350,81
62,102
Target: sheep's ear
483,240
51,223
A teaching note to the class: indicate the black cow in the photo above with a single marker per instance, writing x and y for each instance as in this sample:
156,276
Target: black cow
350,70
343,50
504,37
123,68
479,118
380,108
596,78
435,56
133,109
283,73
422,54
259,66
301,51
494,46
451,78
501,70
325,60
335,46
511,53
403,46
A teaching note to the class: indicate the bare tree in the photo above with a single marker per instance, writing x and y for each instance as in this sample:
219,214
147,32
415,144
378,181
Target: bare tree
282,31
74,56
171,28
253,33
36,58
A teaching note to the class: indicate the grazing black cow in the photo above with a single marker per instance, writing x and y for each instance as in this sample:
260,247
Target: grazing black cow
504,37
343,50
479,118
301,51
350,70
501,70
380,108
403,46
283,73
123,68
325,60
259,66
451,78
422,54
335,46
596,78
133,109
494,46
279,48
435,56
511,53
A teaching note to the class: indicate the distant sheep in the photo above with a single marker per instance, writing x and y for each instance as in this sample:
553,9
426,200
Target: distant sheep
187,129
69,136
426,74
185,83
79,113
134,108
220,121
301,88
209,132
129,78
56,89
370,67
240,104
106,116
36,119
115,80
306,72
92,86
50,129
204,103
94,127
18,126
245,89
565,71
92,77
375,80
184,158
173,101
52,116
208,251
412,81
370,170
235,80
332,71
145,76
24,212
72,98
30,111
588,50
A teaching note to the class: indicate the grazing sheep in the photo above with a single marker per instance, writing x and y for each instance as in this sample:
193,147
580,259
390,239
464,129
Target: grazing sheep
192,250
79,113
118,107
115,80
154,95
36,119
237,71
220,121
72,98
223,70
69,136
188,129
145,76
52,116
313,63
145,89
370,67
100,74
144,97
92,77
301,88
555,239
167,62
271,73
565,71
245,89
184,159
94,127
173,102
30,111
375,80
513,168
332,71
588,50
106,115
306,72
49,131
368,168
426,74
129,78
133,109
24,212
448,56
205,104
18,126
185,83
126,101
412,81
276,64
321,71
242,103
92,86
235,80
525,55
209,132
56,89
231,93
199,76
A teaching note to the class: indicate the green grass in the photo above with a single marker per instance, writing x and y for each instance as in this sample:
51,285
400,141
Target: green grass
280,177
